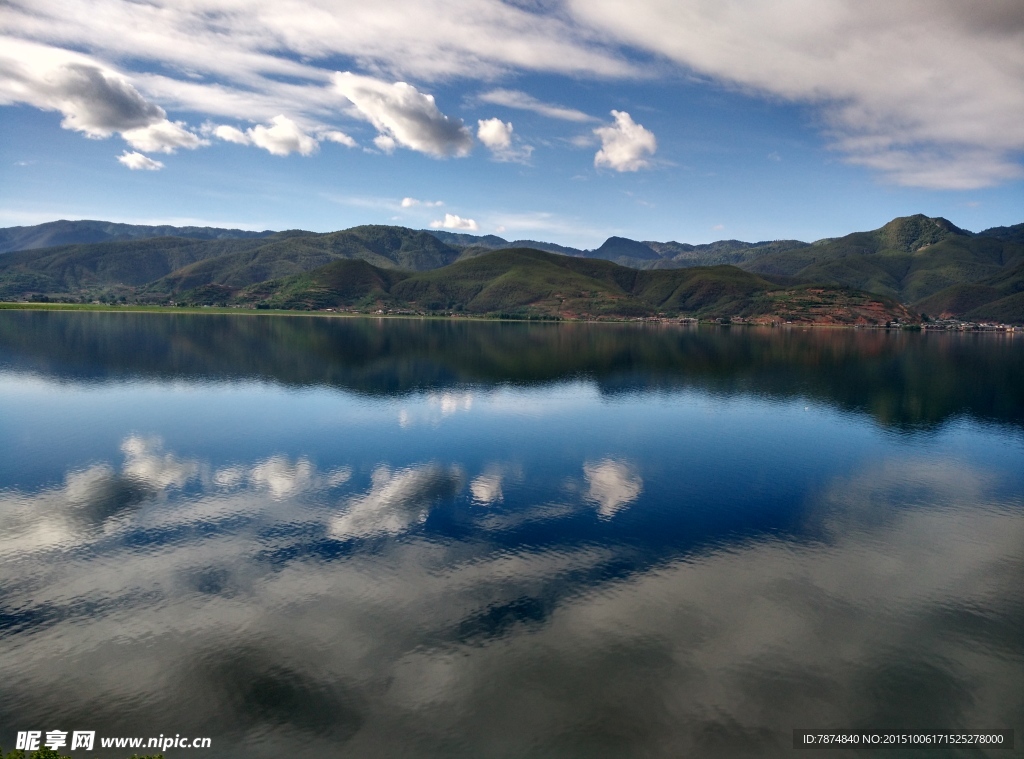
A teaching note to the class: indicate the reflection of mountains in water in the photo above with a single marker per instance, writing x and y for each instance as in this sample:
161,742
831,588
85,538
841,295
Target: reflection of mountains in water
901,379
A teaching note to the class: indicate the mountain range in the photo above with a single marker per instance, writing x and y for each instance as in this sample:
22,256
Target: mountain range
910,266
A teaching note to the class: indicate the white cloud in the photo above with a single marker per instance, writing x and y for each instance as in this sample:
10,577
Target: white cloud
413,202
406,115
283,138
526,102
138,162
889,92
163,137
928,92
937,169
497,136
613,485
451,221
97,102
264,38
385,143
93,99
254,63
333,135
626,145
232,134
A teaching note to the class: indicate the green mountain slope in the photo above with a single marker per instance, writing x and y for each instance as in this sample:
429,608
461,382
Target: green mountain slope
996,298
170,265
345,282
929,262
474,245
615,248
384,247
1013,234
910,258
76,267
648,254
529,282
732,252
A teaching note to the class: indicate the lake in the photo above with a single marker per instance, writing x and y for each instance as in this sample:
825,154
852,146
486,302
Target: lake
355,537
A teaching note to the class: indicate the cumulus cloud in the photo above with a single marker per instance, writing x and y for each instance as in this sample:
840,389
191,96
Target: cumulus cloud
163,137
526,102
333,135
612,485
282,138
385,143
409,117
452,221
97,102
870,69
413,202
232,134
138,162
496,135
625,145
93,100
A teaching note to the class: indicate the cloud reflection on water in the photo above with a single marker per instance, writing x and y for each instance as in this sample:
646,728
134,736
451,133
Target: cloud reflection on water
907,581
436,407
613,485
396,500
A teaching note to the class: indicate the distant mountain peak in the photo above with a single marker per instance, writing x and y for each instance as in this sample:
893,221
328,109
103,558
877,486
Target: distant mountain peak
911,233
623,247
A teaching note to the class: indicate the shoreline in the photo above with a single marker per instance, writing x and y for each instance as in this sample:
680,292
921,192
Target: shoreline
681,321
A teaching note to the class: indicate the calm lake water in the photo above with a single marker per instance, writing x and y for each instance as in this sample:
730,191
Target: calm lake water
312,537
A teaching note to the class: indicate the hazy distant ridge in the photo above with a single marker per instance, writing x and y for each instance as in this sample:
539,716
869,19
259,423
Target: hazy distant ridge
63,232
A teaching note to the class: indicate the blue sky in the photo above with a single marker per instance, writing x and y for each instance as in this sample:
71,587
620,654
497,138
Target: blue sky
561,120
